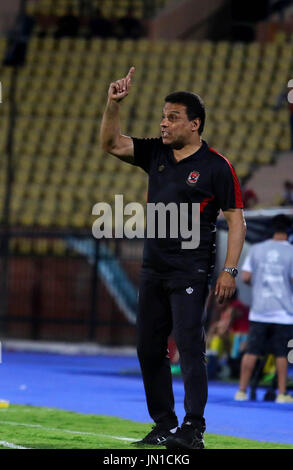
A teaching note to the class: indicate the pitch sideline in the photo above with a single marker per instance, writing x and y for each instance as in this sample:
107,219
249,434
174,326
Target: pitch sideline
11,445
68,431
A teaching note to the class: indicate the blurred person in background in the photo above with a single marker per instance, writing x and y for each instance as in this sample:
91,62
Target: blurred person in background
268,267
250,198
174,282
230,317
100,26
287,193
284,96
129,27
279,7
227,333
68,25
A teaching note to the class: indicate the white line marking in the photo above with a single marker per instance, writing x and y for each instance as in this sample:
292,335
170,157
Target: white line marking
11,446
68,431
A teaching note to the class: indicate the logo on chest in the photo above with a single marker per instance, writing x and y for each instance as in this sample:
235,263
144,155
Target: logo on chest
192,178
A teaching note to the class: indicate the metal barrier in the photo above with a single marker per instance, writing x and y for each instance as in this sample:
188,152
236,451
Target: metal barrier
70,286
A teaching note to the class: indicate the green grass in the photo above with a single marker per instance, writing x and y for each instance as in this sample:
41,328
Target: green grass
47,428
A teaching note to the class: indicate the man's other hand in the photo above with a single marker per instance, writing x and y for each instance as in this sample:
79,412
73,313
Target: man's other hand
225,287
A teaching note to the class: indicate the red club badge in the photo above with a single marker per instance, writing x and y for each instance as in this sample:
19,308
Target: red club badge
192,177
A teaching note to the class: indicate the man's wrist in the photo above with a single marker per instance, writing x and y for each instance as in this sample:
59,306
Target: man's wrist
112,103
232,271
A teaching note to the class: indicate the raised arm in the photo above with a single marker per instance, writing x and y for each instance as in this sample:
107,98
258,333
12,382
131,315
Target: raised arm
112,140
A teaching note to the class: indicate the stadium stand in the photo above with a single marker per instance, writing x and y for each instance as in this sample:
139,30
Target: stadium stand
61,171
110,8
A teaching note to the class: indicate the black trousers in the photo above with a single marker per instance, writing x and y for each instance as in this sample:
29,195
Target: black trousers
179,306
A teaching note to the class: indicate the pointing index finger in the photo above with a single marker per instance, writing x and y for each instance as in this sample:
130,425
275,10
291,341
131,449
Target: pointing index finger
130,73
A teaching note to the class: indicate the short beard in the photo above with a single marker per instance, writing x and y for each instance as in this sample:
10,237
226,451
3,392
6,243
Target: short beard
177,145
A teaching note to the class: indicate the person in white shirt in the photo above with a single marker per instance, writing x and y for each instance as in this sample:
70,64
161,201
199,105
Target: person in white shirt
269,269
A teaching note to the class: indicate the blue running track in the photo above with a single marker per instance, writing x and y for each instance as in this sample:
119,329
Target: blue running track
111,385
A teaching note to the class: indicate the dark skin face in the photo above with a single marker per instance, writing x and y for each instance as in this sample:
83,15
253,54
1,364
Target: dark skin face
176,129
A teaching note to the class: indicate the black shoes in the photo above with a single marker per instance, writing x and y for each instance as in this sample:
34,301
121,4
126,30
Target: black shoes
186,437
157,436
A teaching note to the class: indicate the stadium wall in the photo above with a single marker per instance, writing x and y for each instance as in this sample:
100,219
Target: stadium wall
178,20
268,180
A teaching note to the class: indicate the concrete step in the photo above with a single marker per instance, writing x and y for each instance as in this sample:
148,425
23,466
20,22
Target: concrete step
268,181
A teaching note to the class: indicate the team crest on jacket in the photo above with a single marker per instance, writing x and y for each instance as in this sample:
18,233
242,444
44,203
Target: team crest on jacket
192,177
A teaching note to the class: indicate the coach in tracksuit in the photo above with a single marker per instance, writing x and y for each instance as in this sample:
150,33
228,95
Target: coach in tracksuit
182,168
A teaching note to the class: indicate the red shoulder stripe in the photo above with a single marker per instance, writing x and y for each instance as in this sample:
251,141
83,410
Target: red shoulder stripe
237,189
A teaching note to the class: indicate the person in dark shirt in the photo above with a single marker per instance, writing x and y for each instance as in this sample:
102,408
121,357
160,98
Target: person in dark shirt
128,26
287,193
174,280
100,26
68,25
18,40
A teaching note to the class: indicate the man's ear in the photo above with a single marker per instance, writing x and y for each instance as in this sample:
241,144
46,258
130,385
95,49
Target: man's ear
196,124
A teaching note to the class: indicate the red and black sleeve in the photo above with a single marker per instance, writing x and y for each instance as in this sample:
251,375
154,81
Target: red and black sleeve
226,186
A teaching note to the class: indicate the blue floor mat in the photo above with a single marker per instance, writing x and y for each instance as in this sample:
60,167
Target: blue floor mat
108,385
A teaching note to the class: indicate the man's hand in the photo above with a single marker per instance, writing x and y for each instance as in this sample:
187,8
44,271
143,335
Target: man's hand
119,89
111,139
225,287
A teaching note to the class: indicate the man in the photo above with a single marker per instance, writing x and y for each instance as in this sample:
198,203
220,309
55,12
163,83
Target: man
174,281
287,193
100,26
129,26
68,25
269,268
